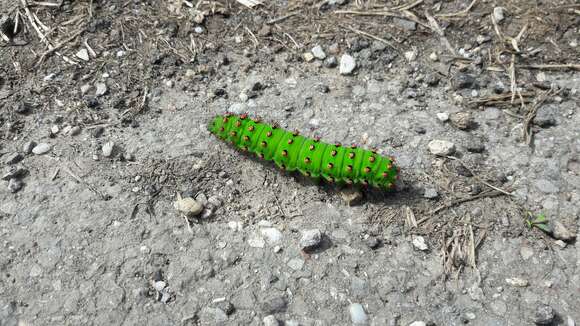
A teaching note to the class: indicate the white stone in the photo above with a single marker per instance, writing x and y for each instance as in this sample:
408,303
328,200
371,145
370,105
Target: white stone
83,54
270,321
108,149
257,242
358,315
499,14
272,235
443,116
419,243
41,148
517,282
159,285
411,56
318,52
441,147
434,57
347,64
101,89
418,323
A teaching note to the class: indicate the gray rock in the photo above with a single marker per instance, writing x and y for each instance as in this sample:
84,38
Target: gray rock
330,62
14,172
28,146
499,14
547,186
274,304
373,242
41,149
477,212
347,64
441,147
358,315
13,158
334,48
545,117
296,264
405,24
226,306
475,145
270,321
14,185
212,316
310,239
318,52
108,149
498,307
359,287
101,89
462,81
544,315
430,193
75,131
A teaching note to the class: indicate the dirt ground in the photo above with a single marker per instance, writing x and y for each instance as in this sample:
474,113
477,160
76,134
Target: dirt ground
104,108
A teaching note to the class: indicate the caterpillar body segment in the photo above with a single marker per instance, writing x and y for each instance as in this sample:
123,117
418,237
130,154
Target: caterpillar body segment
293,152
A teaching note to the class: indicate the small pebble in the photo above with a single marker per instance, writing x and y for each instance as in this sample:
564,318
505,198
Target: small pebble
159,285
28,146
418,323
14,185
441,147
544,315
308,56
419,243
188,206
13,158
75,131
430,193
270,320
83,54
310,239
499,14
318,52
373,242
357,314
517,282
108,149
272,235
54,129
462,120
434,57
443,116
101,89
331,62
296,264
347,64
41,148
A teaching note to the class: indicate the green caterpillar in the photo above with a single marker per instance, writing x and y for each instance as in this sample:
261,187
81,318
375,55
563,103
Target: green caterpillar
291,151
